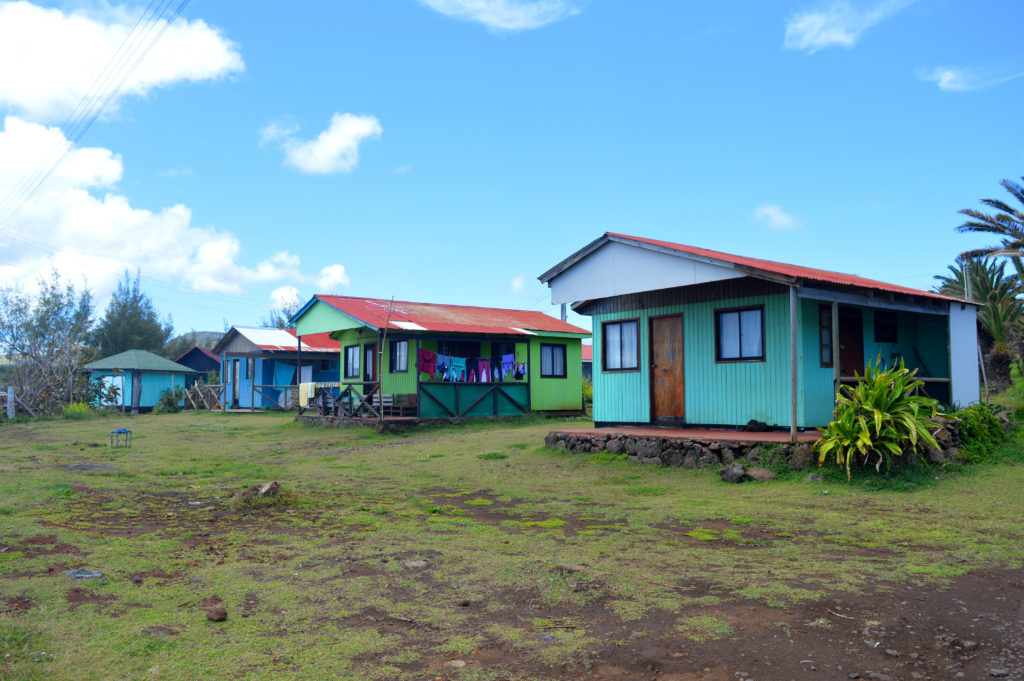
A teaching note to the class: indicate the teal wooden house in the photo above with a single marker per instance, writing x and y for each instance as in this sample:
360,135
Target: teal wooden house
428,360
690,336
139,376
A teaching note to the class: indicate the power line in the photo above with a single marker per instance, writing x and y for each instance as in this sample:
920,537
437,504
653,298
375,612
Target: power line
142,37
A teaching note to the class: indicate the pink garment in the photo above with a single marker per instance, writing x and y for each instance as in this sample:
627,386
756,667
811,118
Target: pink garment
484,367
428,362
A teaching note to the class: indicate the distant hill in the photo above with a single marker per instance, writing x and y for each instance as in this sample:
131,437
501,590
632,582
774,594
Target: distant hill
179,345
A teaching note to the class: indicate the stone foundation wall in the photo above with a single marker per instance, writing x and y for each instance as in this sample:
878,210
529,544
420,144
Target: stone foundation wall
684,452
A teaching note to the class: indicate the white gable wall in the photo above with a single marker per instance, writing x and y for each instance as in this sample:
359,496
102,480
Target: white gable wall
616,269
963,354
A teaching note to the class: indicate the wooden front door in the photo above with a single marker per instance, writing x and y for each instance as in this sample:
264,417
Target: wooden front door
667,392
851,341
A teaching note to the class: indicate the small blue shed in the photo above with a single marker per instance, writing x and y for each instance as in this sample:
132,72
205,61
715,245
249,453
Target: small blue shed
140,377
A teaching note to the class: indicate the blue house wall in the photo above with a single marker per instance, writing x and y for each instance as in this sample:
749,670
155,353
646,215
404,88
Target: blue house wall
269,371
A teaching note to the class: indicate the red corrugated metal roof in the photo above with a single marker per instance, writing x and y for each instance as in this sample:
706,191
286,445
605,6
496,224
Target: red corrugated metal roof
434,317
784,269
588,353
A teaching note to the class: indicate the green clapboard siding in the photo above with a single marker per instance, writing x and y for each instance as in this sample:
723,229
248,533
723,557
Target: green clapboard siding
716,393
557,394
322,318
401,383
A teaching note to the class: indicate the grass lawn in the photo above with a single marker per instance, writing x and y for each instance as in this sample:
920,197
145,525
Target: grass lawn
465,552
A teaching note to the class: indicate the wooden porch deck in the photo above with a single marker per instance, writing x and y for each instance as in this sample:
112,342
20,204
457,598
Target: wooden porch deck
720,435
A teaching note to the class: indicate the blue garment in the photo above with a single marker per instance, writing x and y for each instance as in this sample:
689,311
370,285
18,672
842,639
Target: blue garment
444,365
458,371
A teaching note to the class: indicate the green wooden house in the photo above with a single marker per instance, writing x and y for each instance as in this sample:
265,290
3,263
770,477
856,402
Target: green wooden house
139,376
689,336
394,354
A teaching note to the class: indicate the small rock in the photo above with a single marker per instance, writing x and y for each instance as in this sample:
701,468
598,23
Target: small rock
815,477
416,564
734,472
970,645
82,573
892,653
999,672
547,637
455,664
217,613
760,474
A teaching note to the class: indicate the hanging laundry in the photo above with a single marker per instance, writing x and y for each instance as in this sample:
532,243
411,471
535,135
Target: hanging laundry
458,370
428,362
520,371
484,367
507,364
444,365
497,374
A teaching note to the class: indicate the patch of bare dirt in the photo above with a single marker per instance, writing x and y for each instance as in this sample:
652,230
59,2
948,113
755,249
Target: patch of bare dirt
78,596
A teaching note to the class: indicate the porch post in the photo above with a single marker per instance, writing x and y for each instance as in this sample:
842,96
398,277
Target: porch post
298,373
836,369
792,364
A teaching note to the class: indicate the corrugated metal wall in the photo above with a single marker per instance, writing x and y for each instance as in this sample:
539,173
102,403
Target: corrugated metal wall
557,394
726,393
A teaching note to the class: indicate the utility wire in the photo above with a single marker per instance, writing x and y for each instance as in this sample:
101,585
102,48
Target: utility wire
139,41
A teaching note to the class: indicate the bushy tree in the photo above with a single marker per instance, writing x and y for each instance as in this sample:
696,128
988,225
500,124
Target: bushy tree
279,317
131,322
46,336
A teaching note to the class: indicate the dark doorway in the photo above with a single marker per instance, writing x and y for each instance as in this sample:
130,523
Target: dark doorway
851,341
667,392
370,362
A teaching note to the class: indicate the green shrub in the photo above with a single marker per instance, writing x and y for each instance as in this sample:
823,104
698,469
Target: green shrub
980,432
76,411
588,391
877,419
170,401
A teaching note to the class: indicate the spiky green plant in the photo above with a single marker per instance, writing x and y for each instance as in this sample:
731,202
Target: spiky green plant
877,419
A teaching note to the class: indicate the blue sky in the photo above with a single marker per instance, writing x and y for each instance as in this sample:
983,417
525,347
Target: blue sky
453,150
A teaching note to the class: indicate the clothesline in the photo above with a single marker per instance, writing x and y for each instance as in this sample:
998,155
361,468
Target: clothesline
470,369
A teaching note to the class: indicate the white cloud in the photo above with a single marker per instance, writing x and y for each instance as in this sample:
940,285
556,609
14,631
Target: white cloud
78,223
506,15
52,58
332,278
178,171
518,285
285,298
950,79
841,24
402,170
277,130
777,219
335,150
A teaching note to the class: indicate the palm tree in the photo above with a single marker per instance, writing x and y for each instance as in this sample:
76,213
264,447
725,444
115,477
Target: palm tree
1001,312
1007,222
